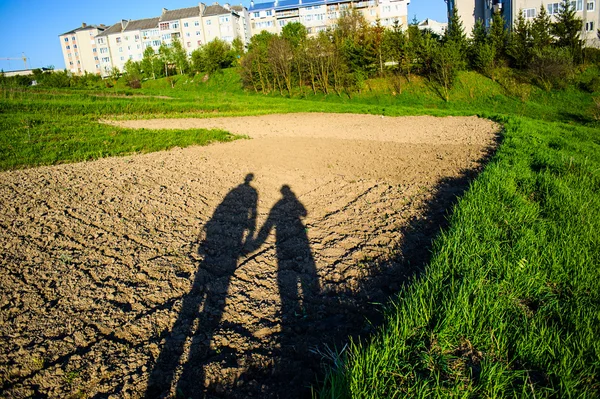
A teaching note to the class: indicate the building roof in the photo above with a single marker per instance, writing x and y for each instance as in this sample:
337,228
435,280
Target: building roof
215,9
287,4
239,8
140,24
85,26
181,13
115,28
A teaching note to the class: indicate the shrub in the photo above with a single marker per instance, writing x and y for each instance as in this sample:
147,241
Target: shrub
552,68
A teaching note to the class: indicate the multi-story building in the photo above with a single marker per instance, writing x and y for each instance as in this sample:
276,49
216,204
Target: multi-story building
472,10
80,51
101,50
318,15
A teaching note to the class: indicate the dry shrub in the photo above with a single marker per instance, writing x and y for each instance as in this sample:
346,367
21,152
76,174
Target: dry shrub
596,108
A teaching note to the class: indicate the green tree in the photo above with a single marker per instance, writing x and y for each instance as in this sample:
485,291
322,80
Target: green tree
151,64
295,33
567,30
455,36
541,37
498,38
166,56
520,43
179,56
446,62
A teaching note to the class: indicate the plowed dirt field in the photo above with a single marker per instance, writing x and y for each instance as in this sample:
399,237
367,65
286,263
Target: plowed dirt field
221,271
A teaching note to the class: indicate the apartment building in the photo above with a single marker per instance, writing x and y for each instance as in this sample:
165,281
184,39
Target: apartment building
318,15
100,49
472,10
79,48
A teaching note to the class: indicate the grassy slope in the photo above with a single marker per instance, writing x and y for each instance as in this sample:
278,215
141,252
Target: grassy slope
508,306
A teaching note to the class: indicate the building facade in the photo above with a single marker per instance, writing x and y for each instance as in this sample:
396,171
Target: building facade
102,50
318,15
471,11
80,51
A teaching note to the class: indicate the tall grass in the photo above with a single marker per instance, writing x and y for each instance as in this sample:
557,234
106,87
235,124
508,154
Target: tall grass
509,305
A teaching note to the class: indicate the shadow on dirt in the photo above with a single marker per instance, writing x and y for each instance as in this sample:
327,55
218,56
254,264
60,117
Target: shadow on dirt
312,321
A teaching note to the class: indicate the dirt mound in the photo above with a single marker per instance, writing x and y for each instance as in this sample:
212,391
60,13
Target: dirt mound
226,270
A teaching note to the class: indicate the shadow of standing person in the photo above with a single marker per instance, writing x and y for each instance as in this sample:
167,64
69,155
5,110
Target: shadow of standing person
296,271
225,235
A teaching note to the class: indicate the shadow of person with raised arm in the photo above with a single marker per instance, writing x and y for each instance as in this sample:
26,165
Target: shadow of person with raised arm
297,278
225,235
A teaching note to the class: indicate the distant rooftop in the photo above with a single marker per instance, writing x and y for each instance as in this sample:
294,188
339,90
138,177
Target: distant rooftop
85,26
180,13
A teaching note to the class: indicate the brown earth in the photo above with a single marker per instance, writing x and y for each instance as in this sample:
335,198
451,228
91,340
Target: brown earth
153,274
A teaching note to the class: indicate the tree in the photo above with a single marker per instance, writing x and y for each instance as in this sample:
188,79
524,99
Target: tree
567,30
166,56
445,66
179,57
151,64
280,58
520,43
295,33
133,74
541,37
498,37
455,36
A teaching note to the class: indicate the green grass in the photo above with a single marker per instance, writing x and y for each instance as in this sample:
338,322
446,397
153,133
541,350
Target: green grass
509,304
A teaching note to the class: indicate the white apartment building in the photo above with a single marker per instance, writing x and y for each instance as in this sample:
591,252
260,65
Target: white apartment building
79,49
439,28
100,49
318,15
472,10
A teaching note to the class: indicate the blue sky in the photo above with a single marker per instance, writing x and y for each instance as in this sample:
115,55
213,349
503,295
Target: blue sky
32,26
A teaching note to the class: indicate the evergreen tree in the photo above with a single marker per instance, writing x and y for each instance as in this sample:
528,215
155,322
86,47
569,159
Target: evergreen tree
498,37
455,36
541,37
520,43
567,30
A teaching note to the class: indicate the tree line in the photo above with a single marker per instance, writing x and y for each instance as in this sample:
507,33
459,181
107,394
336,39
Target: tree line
339,60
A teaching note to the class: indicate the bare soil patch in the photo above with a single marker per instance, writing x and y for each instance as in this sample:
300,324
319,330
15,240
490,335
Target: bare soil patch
225,270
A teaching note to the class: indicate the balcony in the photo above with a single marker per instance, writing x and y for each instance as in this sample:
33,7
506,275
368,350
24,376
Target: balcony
287,14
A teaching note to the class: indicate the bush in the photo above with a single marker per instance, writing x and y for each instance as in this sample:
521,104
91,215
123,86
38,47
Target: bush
552,68
591,55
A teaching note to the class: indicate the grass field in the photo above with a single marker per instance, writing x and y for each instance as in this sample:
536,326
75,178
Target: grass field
509,305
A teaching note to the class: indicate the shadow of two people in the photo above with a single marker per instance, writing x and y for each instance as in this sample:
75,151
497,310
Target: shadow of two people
229,236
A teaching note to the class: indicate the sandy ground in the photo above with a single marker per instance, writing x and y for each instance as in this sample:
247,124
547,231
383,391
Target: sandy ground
226,270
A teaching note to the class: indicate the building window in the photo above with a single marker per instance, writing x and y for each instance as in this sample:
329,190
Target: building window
552,8
269,13
68,47
93,50
199,42
100,40
166,36
70,62
155,43
105,59
95,58
131,57
256,15
118,40
189,44
589,26
577,5
196,23
66,39
529,13
137,37
73,38
174,25
164,26
185,24
120,49
197,33
103,50
69,55
187,34
74,46
591,5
